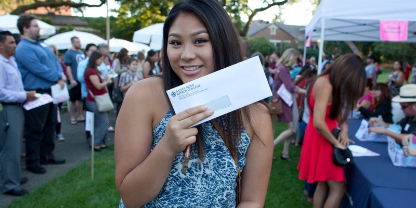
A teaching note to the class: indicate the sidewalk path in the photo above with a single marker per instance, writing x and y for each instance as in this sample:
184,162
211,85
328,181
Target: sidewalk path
74,149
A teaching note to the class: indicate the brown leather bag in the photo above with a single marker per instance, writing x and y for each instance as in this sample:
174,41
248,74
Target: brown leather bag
233,155
275,106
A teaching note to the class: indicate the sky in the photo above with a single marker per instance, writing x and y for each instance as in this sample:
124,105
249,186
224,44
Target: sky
296,14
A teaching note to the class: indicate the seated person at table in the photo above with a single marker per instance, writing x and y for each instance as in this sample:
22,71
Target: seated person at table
407,99
382,105
367,101
409,151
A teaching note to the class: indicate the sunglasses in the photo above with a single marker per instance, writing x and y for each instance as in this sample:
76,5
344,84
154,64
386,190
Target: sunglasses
404,107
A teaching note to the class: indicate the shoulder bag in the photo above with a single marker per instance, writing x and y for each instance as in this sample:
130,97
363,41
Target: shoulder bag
103,101
275,104
234,156
341,157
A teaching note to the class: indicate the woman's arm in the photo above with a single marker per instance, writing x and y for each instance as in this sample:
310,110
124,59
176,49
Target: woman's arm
96,82
322,93
401,79
141,173
365,104
146,69
382,109
256,173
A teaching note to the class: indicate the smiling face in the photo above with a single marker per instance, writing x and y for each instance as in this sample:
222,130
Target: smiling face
189,48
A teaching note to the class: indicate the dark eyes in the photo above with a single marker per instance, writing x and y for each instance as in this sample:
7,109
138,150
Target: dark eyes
198,41
175,43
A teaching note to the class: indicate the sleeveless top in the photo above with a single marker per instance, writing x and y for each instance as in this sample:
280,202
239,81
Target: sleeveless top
207,183
394,88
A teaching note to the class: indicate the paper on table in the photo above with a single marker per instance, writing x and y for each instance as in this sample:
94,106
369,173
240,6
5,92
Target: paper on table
59,95
285,95
225,90
362,130
358,151
42,100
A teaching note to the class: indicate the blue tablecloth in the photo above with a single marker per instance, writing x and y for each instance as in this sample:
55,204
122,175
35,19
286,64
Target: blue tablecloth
369,173
383,197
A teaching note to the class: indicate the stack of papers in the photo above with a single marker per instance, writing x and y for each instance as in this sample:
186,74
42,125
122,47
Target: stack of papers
358,151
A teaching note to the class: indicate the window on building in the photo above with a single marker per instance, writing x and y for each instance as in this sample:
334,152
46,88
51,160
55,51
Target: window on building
273,29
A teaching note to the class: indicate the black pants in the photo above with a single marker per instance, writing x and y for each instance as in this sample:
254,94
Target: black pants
40,131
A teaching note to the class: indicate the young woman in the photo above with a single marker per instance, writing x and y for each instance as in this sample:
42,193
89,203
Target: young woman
120,63
288,59
332,97
96,86
198,39
396,79
382,105
149,67
367,101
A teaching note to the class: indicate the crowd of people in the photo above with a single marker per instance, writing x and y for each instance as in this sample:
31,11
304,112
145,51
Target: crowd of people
149,151
30,68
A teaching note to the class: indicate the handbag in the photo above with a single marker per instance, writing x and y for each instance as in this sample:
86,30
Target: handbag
275,106
233,155
341,157
103,101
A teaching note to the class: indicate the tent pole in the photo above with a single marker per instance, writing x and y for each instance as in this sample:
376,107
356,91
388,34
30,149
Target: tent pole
321,46
107,26
304,53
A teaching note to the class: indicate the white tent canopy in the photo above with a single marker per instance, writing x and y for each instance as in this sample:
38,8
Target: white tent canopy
117,44
152,35
62,41
9,22
358,20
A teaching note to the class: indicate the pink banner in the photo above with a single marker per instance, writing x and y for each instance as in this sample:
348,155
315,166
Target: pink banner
308,43
393,30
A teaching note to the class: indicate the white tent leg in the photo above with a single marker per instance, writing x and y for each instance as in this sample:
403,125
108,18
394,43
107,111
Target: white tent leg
304,53
321,46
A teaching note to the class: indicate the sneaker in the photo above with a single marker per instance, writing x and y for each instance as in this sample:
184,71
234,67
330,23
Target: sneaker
111,129
60,137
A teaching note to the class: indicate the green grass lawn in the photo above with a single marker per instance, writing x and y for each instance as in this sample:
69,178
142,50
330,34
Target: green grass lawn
76,189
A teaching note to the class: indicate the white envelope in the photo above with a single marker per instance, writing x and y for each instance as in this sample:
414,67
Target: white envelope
59,95
224,91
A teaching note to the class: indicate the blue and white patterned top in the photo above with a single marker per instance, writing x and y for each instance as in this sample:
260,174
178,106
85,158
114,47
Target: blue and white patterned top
210,183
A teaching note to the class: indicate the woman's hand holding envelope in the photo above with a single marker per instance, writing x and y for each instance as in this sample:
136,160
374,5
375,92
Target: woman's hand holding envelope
178,135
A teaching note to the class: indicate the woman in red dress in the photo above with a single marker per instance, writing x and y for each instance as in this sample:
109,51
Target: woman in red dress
332,97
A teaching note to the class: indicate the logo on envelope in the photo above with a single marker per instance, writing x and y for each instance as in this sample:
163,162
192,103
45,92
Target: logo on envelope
173,94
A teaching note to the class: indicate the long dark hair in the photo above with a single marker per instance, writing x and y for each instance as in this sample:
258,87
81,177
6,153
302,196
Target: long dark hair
226,51
92,62
123,55
385,94
150,53
348,79
308,72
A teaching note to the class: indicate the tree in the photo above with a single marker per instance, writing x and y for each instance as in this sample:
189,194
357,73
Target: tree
25,5
120,28
262,45
155,11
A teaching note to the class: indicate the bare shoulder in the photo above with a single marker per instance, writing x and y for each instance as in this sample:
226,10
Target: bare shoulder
322,83
147,97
